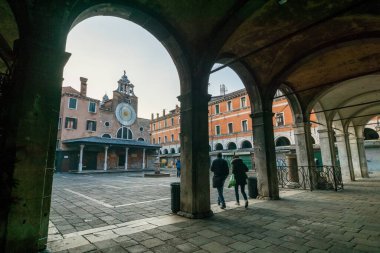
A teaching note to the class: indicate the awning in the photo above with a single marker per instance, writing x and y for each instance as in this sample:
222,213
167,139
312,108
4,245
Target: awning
111,142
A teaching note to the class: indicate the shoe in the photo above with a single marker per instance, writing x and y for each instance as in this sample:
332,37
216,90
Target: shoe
223,206
237,204
218,203
246,204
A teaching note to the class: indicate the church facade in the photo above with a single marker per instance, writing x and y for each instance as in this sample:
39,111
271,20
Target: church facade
103,134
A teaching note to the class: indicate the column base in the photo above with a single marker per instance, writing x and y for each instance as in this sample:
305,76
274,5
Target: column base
293,185
195,215
267,198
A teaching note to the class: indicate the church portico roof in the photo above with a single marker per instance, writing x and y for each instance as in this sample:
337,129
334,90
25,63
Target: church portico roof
111,142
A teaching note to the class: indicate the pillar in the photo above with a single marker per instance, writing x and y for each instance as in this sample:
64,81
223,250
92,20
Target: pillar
344,158
355,156
126,159
305,151
195,163
143,159
32,105
293,178
265,155
105,157
326,142
80,165
362,157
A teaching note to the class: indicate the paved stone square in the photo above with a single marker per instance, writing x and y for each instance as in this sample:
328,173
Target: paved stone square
128,213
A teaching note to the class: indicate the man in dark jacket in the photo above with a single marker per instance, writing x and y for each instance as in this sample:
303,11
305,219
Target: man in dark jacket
220,168
239,170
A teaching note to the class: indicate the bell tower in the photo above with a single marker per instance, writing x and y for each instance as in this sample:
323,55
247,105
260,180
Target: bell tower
125,93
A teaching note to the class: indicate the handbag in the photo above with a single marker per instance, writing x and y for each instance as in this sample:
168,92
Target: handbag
232,181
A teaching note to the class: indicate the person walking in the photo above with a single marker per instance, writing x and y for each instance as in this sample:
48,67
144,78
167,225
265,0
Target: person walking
178,166
220,168
239,170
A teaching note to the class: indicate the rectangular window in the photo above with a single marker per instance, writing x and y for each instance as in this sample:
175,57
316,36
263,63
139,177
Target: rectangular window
172,121
244,126
229,106
165,123
166,139
70,123
154,126
59,123
172,137
217,111
243,102
57,145
230,128
159,140
73,103
91,125
217,130
92,107
154,141
280,119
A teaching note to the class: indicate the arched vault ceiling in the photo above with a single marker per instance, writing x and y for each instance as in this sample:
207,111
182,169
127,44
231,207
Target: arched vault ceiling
357,99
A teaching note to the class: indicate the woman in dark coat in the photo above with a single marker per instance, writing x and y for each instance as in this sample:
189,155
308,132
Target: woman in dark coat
239,170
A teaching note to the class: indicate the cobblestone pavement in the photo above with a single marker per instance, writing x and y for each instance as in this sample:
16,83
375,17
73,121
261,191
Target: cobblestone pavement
103,218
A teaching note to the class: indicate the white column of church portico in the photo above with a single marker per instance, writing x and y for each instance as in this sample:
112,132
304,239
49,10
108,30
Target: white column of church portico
143,159
105,157
344,158
362,156
327,153
80,165
355,156
126,159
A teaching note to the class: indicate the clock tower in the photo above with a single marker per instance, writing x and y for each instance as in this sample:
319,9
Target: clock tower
124,94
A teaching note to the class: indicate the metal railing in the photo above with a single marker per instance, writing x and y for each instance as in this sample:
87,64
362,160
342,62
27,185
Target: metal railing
310,177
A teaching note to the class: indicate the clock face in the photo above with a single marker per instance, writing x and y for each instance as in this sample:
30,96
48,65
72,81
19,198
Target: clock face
125,114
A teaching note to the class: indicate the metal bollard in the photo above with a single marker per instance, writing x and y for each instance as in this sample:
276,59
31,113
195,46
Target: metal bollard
175,196
252,187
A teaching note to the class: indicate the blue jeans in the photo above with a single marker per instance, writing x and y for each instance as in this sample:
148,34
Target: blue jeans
220,195
242,189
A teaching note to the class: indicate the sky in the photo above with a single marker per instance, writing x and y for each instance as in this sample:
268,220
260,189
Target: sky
103,47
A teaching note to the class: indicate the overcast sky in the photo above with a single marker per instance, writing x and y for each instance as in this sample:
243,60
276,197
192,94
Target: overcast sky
103,47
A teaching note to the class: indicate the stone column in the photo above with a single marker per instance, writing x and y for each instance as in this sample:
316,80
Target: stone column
143,159
195,186
80,165
362,157
126,159
293,178
265,155
326,142
105,158
355,156
344,158
32,104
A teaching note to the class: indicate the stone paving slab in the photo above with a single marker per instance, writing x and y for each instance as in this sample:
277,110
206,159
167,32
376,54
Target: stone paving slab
302,221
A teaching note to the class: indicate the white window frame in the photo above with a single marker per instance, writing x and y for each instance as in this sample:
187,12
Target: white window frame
232,127
216,130
76,103
76,120
90,120
283,118
217,109
241,102
165,139
242,126
229,106
89,104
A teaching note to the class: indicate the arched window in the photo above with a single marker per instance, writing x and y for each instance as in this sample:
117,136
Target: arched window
124,133
172,150
231,146
165,151
282,141
370,134
246,144
218,146
140,139
106,136
154,141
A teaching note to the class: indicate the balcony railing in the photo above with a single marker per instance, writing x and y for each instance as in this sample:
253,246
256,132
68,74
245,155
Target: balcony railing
310,177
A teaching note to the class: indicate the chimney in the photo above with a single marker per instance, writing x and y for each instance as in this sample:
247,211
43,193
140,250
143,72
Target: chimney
83,86
152,116
158,115
163,112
